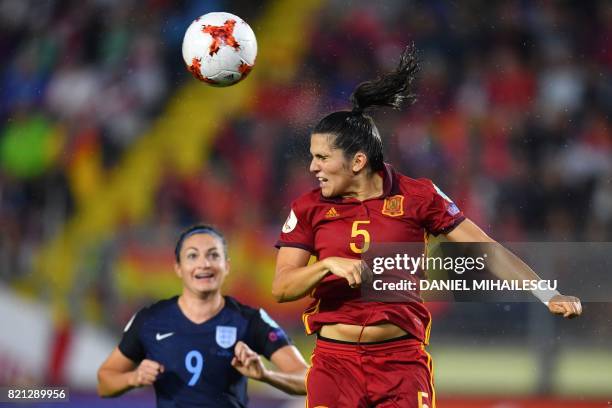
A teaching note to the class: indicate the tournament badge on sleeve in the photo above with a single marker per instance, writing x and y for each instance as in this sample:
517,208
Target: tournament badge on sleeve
226,336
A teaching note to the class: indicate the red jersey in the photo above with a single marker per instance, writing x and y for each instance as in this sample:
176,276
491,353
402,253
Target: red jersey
346,227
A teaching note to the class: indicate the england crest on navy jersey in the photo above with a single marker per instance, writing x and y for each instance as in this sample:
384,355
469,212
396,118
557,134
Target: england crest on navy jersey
226,336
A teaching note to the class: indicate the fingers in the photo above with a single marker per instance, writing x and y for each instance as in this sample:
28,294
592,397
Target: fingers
568,306
353,274
242,353
573,309
247,362
579,306
366,273
357,268
556,308
239,349
572,306
353,270
147,372
252,361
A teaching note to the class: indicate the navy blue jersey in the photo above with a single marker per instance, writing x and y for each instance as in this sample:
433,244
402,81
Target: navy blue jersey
197,357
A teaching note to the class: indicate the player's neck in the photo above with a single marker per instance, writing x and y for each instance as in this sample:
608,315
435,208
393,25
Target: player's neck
200,309
366,186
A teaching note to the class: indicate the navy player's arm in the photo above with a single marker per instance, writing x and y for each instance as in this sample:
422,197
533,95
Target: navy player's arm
294,278
126,367
266,337
291,370
119,374
505,265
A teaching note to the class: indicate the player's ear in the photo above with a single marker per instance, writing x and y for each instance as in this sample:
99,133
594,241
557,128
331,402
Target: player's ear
177,269
360,160
228,265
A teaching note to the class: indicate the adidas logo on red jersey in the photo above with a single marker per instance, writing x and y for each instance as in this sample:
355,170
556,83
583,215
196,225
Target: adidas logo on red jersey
331,213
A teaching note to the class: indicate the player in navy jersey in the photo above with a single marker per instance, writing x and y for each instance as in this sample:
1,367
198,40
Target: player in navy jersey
371,353
198,349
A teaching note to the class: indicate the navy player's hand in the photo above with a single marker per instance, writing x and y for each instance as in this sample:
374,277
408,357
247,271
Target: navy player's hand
248,362
568,306
349,269
146,373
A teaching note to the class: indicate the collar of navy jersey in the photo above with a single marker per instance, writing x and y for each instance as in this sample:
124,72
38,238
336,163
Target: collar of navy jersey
389,187
230,302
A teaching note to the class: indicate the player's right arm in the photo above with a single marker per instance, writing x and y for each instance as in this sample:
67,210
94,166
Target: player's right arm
119,374
294,278
127,367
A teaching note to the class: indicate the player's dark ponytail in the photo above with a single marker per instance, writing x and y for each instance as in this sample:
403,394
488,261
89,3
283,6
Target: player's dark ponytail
391,89
355,131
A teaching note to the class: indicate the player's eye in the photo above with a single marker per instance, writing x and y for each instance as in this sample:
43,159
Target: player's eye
192,255
214,255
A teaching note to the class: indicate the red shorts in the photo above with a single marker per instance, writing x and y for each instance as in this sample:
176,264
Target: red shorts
396,373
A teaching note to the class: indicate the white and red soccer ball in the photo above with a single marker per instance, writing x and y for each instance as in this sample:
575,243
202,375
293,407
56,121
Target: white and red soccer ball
219,49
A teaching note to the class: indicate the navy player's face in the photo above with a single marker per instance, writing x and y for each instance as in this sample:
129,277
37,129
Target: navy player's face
329,166
203,264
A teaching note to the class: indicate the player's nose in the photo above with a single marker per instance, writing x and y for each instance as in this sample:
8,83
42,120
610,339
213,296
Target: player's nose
314,166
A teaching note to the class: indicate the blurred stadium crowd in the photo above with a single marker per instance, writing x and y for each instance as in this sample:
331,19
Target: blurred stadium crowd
512,122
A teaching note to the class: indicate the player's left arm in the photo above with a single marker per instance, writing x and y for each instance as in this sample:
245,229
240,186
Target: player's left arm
505,265
291,367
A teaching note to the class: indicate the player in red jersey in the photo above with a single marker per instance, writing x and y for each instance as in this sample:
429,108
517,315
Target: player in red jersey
370,353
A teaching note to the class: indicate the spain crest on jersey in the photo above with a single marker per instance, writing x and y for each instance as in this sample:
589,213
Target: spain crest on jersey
225,336
393,206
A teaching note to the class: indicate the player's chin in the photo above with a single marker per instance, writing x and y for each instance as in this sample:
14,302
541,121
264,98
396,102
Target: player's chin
327,191
208,284
202,291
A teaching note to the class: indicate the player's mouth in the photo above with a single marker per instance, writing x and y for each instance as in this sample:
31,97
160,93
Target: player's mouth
206,276
322,181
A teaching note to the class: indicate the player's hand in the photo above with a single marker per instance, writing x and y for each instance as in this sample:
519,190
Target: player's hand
568,306
146,373
247,362
349,269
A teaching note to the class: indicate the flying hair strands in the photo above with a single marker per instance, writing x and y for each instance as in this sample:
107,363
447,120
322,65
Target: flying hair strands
391,89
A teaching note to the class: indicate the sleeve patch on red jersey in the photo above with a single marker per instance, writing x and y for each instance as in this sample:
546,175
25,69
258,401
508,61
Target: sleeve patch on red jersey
451,208
291,223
